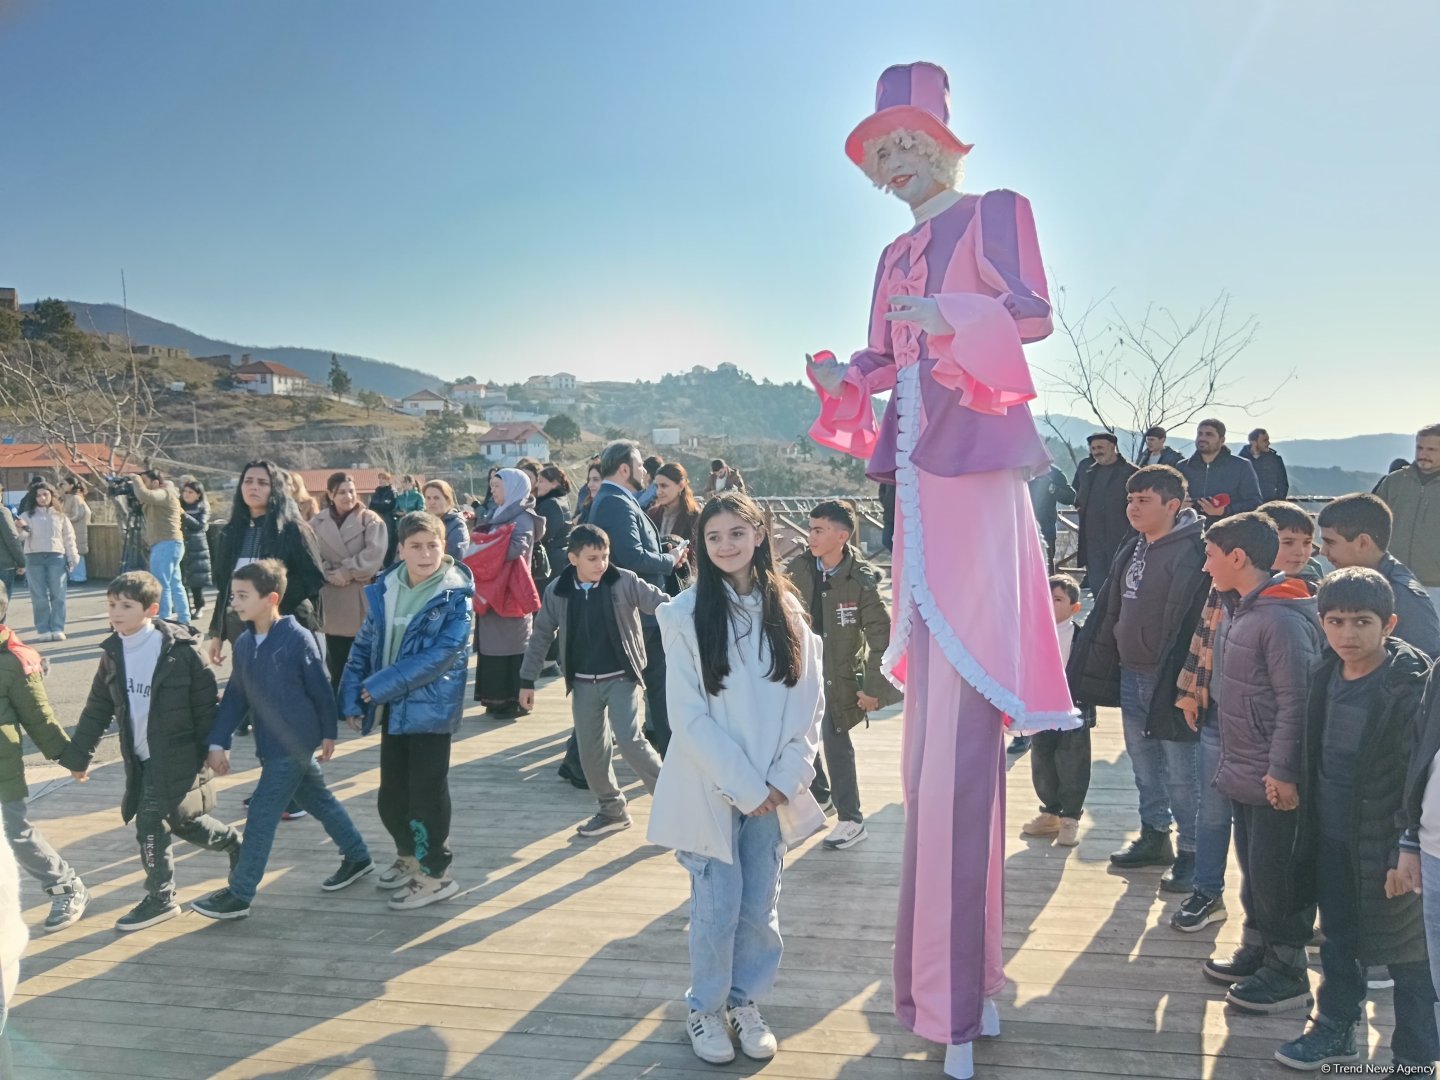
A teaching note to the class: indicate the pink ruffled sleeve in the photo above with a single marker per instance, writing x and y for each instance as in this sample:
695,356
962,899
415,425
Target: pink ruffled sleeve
847,420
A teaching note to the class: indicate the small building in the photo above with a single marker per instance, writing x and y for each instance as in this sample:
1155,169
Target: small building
9,299
508,443
665,436
562,380
162,352
426,403
269,378
20,461
476,393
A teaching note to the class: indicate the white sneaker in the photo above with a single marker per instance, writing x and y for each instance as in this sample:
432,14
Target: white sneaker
845,834
399,873
709,1038
58,636
423,891
756,1038
43,637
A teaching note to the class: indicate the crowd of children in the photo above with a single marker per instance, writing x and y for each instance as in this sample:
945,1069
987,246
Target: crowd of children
1257,700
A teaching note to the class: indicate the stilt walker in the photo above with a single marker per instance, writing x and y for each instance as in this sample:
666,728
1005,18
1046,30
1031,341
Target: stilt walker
973,640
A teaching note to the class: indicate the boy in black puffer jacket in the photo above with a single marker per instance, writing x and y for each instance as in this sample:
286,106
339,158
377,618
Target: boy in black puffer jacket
1360,735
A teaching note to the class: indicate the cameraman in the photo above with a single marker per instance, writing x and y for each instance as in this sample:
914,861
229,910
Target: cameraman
166,540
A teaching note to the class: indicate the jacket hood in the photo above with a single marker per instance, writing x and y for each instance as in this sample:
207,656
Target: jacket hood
1287,588
457,579
30,659
565,584
172,633
1404,664
1187,526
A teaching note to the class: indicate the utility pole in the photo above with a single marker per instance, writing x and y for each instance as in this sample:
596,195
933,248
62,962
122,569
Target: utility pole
195,422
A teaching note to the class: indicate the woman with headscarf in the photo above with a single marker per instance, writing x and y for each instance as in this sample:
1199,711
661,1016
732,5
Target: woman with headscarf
500,640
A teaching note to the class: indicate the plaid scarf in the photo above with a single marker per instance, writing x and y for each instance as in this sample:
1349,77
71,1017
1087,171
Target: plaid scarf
1194,681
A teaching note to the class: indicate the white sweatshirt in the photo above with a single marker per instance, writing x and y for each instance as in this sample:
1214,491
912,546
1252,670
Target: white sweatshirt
142,653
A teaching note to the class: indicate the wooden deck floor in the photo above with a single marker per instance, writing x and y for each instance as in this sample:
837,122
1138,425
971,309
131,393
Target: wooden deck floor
566,958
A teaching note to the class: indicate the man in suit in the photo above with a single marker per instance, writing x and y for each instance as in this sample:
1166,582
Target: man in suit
635,546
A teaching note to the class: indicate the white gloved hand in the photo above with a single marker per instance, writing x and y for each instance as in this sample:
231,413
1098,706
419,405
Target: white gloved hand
922,312
829,373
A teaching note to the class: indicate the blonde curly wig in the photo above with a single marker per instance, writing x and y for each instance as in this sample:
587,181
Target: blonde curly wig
949,167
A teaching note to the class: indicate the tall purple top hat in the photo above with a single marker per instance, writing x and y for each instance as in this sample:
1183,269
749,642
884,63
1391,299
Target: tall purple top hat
910,97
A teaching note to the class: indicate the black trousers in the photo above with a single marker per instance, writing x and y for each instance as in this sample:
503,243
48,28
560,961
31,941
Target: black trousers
415,797
337,652
1060,769
1343,987
657,715
1279,901
835,778
156,820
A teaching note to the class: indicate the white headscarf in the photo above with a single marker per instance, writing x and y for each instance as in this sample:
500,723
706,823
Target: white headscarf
517,496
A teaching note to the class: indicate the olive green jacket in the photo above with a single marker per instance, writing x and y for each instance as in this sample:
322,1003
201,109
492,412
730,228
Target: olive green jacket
856,632
23,705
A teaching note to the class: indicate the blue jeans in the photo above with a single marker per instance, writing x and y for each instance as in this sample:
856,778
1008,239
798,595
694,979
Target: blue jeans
1166,773
1212,824
7,578
283,779
735,941
165,565
45,571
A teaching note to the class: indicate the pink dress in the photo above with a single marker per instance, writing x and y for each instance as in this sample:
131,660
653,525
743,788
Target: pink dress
973,641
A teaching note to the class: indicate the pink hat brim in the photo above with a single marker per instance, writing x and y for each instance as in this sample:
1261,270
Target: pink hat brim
901,118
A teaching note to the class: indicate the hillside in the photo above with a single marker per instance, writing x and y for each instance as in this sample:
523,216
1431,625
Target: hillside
393,380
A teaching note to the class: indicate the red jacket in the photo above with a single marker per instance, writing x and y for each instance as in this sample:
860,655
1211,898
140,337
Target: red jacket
502,585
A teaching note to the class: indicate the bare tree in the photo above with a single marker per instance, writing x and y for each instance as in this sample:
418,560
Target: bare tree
1159,370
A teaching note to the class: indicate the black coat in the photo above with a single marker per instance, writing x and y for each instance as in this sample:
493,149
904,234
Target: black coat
183,699
195,567
551,509
1100,495
296,548
1391,931
1427,745
1047,491
1094,668
1270,471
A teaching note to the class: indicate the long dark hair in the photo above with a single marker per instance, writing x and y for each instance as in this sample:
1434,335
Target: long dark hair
715,613
280,511
676,474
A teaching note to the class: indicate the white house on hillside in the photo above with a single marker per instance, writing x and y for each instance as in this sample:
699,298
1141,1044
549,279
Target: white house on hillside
508,443
561,380
426,403
476,393
268,377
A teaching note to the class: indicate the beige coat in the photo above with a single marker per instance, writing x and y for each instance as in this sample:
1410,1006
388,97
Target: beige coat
351,555
48,531
78,511
162,512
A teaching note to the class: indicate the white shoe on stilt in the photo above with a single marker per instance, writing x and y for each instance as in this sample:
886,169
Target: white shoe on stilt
960,1061
989,1020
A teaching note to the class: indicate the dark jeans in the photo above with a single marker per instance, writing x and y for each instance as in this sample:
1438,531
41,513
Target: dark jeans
197,599
7,578
1047,533
835,778
292,781
1342,989
1060,769
1279,907
415,797
337,652
156,819
657,716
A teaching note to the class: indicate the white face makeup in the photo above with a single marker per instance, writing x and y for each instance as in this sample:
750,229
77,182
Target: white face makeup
906,174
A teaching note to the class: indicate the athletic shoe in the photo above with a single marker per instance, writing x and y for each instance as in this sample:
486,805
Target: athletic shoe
423,891
710,1038
67,906
600,824
756,1038
59,635
349,873
293,815
1069,834
1378,978
1271,990
147,913
221,905
1150,848
399,874
845,834
1042,824
1198,911
1243,963
1180,878
1326,1043
574,779
1018,745
37,638
827,806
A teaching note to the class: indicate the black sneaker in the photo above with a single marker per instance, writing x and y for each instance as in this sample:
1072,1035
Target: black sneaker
1271,990
1198,911
1244,962
575,779
1326,1043
1180,878
147,913
349,873
67,906
1018,745
1150,848
221,905
599,825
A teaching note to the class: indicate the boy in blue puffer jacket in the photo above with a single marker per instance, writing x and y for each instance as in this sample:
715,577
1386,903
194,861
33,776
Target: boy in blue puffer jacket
281,681
407,671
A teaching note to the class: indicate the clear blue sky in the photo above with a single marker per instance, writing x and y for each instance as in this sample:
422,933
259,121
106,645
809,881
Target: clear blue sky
621,189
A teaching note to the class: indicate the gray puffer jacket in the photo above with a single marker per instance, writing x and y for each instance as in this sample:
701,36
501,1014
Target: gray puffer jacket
1268,646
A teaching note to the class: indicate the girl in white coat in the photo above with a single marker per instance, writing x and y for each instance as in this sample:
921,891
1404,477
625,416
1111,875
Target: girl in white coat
745,694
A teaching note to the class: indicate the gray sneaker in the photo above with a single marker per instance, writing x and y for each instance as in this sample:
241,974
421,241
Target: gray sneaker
599,825
67,905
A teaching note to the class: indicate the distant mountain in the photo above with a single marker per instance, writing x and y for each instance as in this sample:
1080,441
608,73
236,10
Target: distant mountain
393,380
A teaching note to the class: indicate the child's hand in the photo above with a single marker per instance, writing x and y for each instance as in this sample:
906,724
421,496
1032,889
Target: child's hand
365,697
217,651
1405,878
353,723
219,762
866,702
527,699
1282,795
81,777
775,799
327,749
